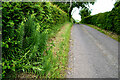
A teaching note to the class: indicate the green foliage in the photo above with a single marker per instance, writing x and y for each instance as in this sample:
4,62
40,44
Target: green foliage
63,5
84,12
26,27
108,20
68,8
55,61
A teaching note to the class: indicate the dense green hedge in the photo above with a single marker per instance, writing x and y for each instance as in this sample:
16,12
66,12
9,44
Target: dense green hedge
108,20
26,26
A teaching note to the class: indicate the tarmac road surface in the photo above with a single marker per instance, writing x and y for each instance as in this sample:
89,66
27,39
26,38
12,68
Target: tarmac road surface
92,54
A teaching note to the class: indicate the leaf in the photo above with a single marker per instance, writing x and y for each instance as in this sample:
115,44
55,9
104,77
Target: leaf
8,67
3,63
7,46
4,67
36,63
13,68
36,68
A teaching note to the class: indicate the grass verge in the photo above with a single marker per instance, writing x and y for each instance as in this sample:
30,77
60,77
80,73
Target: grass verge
59,52
53,63
108,33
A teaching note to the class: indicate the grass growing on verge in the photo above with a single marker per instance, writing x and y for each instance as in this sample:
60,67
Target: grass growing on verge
36,61
54,58
108,33
58,48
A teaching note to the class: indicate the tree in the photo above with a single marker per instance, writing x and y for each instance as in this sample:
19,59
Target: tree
84,12
68,6
79,4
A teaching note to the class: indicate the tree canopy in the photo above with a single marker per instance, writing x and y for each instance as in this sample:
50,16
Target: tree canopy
68,6
85,12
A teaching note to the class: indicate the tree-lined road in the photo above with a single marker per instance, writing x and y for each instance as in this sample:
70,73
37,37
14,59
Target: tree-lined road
92,54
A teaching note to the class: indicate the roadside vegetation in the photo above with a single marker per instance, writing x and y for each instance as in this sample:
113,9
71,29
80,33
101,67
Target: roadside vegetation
26,29
55,56
58,47
108,22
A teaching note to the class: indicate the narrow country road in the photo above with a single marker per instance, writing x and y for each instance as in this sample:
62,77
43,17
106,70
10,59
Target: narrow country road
92,54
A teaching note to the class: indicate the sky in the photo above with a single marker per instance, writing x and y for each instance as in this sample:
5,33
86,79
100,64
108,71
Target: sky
99,6
75,14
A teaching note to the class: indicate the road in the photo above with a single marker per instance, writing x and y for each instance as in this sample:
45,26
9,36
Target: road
92,54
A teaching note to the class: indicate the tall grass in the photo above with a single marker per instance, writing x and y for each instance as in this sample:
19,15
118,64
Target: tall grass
57,55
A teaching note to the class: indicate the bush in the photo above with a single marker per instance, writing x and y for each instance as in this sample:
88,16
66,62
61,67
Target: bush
25,29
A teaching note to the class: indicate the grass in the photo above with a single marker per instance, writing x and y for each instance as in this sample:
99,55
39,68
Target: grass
60,49
108,33
53,63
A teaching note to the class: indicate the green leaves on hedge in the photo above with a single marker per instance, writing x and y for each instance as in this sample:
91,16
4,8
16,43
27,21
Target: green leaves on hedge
108,20
25,30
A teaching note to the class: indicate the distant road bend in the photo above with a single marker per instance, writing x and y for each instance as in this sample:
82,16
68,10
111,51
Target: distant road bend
92,54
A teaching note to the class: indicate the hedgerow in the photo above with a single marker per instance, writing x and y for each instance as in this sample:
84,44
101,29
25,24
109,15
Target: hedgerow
108,20
26,27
